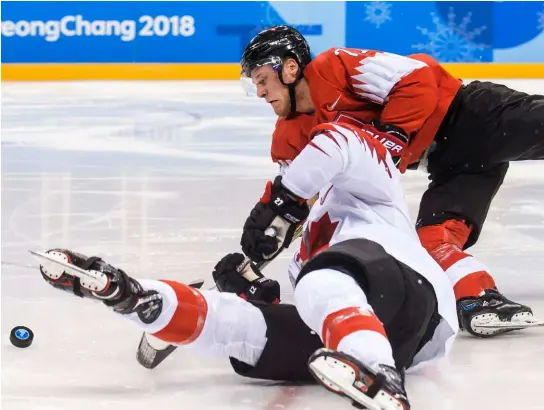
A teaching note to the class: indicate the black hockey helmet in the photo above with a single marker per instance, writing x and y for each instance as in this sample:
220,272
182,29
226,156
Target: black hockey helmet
272,46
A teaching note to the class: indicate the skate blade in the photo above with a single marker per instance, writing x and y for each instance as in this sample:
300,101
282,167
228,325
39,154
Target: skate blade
512,325
339,377
95,281
337,380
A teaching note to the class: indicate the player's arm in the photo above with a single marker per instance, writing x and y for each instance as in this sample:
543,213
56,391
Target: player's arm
406,87
326,159
413,96
343,155
282,209
318,164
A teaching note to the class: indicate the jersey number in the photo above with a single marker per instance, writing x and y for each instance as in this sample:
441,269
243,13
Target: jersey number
349,52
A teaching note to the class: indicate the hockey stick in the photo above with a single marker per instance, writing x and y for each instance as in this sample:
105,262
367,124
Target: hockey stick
150,356
151,350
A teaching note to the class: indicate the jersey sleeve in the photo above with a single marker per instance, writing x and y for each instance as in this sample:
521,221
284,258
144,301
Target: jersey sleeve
320,161
345,156
413,98
406,87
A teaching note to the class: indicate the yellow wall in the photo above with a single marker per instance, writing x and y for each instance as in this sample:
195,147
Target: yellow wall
66,72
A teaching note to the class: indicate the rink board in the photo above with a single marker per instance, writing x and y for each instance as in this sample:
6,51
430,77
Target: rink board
202,71
157,40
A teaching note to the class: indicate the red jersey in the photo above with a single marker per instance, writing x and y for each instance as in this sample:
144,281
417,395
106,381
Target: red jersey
358,86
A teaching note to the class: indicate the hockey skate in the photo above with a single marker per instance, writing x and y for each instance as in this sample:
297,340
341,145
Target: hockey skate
491,314
95,279
365,388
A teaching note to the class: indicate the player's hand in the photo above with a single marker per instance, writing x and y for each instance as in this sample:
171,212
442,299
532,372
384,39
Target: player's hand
249,283
278,209
394,138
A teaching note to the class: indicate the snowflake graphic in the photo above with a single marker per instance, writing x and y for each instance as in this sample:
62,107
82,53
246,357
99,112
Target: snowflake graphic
540,20
450,42
378,12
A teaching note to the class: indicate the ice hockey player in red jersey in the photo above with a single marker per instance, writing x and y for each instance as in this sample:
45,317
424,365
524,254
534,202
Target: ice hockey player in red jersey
463,135
375,299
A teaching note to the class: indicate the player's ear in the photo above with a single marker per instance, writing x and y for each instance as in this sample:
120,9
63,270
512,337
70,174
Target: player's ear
290,70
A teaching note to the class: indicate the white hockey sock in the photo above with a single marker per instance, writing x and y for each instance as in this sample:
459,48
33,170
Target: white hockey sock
214,323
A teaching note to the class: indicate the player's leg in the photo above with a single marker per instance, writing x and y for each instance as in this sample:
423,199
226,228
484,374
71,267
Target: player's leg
289,345
512,122
451,215
371,317
267,341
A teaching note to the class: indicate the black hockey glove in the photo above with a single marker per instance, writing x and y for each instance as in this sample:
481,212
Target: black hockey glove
249,283
278,209
392,137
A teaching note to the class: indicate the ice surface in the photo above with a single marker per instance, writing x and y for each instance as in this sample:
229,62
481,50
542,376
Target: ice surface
157,178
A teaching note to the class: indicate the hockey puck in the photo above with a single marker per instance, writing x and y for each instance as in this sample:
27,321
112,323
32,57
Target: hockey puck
21,336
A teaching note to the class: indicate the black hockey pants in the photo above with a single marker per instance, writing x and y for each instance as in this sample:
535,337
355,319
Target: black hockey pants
487,126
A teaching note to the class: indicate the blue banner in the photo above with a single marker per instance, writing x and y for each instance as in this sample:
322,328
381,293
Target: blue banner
216,32
450,31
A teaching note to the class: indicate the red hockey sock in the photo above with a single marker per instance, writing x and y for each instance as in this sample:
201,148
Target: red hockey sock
343,322
444,243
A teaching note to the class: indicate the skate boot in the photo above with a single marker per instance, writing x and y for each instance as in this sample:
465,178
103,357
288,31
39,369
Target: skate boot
91,277
373,389
491,314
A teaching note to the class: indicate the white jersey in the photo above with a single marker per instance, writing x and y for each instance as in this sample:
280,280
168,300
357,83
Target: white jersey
360,196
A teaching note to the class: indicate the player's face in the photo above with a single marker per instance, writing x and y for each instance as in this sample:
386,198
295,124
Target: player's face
271,89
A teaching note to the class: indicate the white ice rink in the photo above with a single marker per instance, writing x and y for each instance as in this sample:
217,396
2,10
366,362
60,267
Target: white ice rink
157,178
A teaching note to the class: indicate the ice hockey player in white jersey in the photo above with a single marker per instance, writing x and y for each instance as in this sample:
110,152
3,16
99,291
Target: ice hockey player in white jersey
362,279
377,303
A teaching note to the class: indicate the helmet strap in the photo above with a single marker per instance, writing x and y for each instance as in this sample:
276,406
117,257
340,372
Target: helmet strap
291,87
292,98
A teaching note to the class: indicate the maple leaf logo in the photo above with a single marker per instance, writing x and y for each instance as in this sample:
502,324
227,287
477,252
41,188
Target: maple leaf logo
317,236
